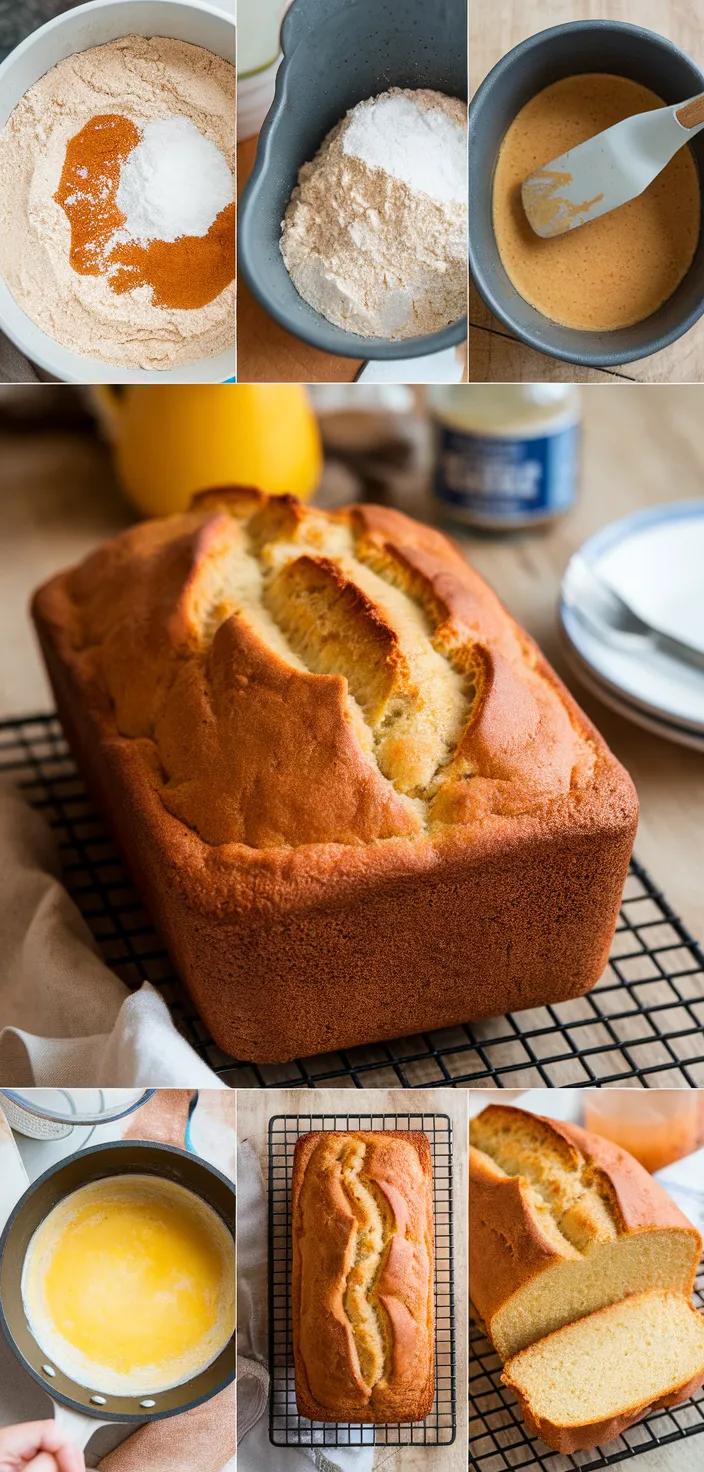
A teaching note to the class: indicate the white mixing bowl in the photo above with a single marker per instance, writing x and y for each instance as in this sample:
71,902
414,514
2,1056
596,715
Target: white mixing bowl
92,25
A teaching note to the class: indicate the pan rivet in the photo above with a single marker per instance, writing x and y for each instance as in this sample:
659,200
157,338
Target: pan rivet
147,1403
48,1370
98,1400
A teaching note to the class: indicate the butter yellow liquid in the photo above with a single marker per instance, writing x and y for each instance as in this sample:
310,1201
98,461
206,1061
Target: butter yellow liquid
129,1284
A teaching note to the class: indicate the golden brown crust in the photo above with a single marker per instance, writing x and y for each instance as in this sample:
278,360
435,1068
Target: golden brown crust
512,1244
639,1205
215,623
362,1276
253,798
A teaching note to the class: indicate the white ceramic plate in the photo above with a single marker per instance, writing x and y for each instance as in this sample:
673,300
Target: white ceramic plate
654,724
655,560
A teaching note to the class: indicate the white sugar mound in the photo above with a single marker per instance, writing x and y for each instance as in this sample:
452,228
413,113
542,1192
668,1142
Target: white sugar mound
174,183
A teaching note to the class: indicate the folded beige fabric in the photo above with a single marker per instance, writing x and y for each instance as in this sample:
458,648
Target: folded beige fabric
66,1020
201,1440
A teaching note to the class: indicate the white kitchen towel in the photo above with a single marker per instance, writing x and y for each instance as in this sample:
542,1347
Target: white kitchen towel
255,1452
684,1180
65,1018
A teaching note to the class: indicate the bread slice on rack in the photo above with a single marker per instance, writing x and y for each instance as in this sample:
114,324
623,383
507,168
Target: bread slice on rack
588,1382
564,1223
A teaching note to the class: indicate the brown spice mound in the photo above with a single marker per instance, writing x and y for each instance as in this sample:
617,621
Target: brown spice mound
88,187
186,273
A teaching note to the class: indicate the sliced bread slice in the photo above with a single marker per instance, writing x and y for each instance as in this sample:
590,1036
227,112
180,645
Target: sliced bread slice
563,1223
587,1382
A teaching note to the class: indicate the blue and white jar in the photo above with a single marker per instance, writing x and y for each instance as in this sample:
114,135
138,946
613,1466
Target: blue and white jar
506,455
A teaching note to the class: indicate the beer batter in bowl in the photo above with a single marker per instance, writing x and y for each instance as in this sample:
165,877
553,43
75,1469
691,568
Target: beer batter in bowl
615,271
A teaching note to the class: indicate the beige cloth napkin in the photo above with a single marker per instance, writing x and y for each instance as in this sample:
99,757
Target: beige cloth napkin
65,1018
197,1441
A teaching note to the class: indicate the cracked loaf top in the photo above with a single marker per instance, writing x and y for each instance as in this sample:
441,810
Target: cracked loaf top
283,676
362,1275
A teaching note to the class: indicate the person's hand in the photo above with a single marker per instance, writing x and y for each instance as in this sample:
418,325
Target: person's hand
39,1446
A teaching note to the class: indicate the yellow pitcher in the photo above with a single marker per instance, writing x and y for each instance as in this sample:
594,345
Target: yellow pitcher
169,441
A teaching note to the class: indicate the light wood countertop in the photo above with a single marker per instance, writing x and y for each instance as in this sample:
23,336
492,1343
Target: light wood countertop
642,446
266,353
495,354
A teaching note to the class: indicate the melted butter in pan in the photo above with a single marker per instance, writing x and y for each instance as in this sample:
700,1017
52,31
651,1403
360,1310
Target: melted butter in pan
128,1285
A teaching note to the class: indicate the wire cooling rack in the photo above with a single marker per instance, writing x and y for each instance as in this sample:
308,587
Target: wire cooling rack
499,1440
643,1022
286,1427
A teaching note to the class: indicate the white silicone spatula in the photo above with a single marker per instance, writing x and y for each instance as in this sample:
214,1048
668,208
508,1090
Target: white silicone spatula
609,169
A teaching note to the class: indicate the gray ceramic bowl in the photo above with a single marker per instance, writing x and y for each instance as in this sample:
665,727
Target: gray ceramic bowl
584,46
336,53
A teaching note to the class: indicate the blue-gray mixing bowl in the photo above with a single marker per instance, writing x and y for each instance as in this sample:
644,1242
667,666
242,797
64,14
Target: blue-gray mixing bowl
562,51
335,54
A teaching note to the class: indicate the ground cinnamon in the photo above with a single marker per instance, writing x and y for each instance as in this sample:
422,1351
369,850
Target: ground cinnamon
186,273
88,186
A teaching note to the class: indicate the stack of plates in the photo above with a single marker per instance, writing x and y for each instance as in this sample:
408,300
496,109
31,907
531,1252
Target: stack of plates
655,561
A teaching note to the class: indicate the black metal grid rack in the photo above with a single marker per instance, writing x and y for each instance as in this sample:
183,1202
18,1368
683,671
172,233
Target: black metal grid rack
499,1440
286,1427
643,1022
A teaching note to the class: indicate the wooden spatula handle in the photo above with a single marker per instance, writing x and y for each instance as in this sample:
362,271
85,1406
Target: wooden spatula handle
692,113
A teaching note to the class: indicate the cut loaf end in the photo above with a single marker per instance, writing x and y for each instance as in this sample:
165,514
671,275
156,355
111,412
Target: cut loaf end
562,1224
589,1381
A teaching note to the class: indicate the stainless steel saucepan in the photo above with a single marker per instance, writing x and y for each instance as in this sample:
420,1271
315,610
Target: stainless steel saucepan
79,1410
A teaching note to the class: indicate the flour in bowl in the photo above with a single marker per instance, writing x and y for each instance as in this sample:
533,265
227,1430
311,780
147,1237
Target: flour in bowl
375,234
132,304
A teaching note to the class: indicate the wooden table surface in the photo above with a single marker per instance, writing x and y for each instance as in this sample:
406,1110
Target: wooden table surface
642,446
266,353
255,1108
496,356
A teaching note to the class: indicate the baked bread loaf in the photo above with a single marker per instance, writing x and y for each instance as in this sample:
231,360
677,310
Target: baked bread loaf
354,797
587,1383
562,1223
362,1276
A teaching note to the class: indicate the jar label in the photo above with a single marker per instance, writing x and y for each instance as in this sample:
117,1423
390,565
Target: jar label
500,479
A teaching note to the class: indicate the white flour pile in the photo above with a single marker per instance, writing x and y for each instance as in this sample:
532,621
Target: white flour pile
375,234
144,80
